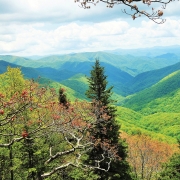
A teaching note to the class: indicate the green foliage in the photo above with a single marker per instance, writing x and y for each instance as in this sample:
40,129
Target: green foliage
169,103
98,85
166,86
156,114
156,110
149,78
164,123
72,94
161,126
171,170
12,80
78,83
28,128
80,174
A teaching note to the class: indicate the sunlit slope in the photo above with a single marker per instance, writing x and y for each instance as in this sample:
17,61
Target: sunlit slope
77,83
168,103
14,59
164,123
149,78
167,89
21,61
161,126
72,95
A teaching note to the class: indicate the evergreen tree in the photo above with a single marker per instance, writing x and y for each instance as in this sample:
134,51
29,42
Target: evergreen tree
62,98
106,129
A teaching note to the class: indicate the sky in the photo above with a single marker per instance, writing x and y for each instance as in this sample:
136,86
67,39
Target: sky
47,27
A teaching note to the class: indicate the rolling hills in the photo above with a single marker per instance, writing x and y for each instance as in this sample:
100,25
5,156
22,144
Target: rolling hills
161,126
133,65
149,78
168,85
148,89
149,52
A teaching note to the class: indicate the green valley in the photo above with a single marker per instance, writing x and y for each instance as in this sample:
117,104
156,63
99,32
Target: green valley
147,103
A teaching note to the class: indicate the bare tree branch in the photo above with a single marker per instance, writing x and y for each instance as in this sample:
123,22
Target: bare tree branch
135,12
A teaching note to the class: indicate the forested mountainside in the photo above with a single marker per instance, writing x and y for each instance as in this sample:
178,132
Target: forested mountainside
147,79
152,96
124,83
155,110
148,114
168,86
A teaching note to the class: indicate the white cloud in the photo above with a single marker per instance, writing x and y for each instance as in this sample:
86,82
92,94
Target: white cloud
45,27
62,11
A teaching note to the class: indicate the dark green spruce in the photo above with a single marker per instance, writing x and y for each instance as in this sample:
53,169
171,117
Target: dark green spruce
99,92
62,98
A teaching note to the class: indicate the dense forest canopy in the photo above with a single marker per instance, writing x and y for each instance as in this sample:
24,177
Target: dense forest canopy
41,136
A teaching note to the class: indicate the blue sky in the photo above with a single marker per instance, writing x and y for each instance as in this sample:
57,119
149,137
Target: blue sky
43,27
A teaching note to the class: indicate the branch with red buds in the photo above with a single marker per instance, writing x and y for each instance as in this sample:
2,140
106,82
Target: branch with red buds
134,10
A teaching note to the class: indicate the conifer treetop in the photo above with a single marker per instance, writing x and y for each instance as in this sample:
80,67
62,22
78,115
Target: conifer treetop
98,90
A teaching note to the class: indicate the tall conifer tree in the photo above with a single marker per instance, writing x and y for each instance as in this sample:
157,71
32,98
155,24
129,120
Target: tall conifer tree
98,91
62,98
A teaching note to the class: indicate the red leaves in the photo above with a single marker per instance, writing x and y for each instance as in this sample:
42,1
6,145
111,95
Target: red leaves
24,93
146,154
56,117
1,95
1,111
62,89
24,134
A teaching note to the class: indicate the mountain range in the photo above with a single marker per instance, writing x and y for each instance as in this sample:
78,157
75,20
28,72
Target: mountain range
146,87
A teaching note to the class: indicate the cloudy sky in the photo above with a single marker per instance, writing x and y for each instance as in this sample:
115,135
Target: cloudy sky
43,27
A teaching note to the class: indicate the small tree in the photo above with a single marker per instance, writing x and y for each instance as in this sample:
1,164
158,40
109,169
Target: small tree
106,129
62,98
146,155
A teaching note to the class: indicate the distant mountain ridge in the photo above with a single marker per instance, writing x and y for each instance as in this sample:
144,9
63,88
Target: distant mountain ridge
133,65
149,52
124,83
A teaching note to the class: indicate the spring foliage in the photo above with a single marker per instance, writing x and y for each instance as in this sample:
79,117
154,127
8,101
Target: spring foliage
41,137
